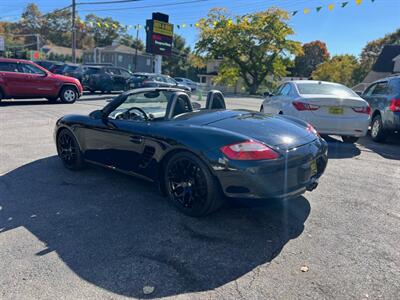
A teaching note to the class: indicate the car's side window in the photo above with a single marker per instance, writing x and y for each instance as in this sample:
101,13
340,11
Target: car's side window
369,90
279,89
8,67
125,73
381,88
286,90
30,69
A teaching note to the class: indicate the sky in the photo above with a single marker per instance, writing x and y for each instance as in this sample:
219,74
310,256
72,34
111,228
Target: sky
344,30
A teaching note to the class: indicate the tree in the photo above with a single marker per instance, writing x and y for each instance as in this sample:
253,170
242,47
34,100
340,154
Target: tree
254,44
106,30
314,53
137,43
339,69
177,64
31,19
371,51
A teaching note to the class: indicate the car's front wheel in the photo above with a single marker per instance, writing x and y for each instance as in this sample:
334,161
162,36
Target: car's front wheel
349,139
68,150
378,133
262,108
190,185
68,94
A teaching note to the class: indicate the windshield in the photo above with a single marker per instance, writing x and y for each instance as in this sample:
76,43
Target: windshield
153,103
325,89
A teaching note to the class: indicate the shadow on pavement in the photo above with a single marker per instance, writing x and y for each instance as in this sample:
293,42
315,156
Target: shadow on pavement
116,232
337,149
390,149
21,102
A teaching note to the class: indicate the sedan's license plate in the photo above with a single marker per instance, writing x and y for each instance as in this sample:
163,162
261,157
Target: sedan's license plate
313,167
334,110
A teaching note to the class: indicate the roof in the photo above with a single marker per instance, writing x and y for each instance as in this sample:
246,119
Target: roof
385,62
15,60
61,50
312,81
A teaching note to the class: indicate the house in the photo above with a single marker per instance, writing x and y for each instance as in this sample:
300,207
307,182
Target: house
53,50
386,64
120,56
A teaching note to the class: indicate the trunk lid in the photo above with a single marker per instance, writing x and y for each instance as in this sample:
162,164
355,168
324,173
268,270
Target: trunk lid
273,130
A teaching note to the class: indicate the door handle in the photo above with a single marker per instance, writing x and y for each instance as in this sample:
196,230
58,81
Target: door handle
136,139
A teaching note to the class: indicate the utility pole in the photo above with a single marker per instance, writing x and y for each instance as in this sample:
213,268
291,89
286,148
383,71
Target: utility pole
73,32
137,40
37,42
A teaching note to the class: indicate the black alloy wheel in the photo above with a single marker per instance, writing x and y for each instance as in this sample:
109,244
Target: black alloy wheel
378,133
68,150
191,186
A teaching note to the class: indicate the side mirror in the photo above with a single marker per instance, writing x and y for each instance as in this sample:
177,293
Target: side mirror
196,105
268,94
97,114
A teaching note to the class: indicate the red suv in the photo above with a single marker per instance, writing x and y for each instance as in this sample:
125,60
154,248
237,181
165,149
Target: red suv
25,79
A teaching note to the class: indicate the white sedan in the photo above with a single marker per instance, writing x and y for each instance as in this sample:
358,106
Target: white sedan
330,108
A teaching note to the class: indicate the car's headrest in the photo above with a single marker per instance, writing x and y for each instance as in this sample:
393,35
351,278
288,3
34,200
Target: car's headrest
178,104
215,100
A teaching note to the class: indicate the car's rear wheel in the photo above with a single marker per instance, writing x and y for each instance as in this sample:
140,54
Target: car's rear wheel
349,139
68,94
68,150
378,133
190,185
262,108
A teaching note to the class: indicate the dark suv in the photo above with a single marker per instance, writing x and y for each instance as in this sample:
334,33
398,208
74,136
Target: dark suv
139,80
384,98
25,79
106,78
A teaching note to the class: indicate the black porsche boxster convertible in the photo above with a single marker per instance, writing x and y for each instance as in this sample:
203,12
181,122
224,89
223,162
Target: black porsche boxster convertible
196,156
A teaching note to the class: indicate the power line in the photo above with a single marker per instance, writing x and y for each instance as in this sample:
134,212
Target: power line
145,6
106,2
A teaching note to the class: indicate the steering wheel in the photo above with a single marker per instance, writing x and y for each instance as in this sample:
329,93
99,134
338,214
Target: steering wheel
126,114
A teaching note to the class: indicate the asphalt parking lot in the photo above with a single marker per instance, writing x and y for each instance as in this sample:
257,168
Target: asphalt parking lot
99,234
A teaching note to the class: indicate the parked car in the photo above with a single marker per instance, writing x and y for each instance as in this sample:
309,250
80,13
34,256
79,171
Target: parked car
48,64
139,80
65,69
194,155
186,81
330,107
384,98
25,79
106,78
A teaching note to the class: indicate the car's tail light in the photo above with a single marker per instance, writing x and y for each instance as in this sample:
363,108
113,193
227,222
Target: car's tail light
312,130
395,105
249,150
304,106
362,110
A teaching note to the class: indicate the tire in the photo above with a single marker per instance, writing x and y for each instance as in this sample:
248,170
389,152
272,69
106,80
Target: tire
262,108
68,150
68,94
190,186
349,139
378,133
1,95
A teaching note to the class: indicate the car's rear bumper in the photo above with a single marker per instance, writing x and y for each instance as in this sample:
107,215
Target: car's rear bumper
357,127
391,120
287,177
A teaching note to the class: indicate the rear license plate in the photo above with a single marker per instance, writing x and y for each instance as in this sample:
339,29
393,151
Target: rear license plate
313,167
334,110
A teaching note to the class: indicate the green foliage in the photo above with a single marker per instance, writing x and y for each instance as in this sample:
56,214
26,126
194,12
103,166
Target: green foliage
340,69
177,65
314,53
254,44
137,43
